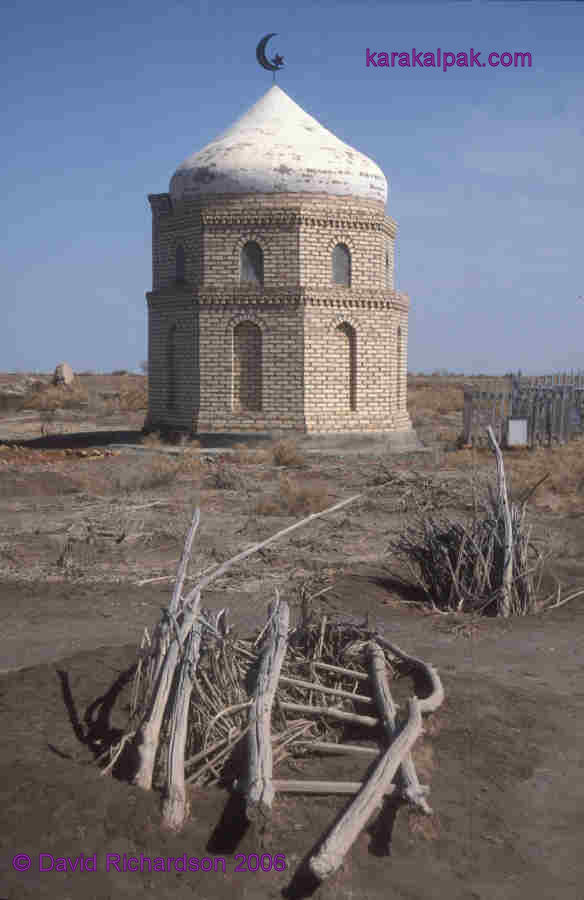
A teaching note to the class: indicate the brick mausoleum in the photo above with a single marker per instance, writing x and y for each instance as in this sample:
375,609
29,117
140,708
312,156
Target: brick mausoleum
273,304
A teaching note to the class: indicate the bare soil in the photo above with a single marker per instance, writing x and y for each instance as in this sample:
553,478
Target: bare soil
88,547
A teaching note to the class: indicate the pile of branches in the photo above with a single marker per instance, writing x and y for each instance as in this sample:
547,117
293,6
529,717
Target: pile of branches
416,492
488,565
325,667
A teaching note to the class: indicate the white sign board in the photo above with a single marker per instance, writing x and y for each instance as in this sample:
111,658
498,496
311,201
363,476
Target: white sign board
516,432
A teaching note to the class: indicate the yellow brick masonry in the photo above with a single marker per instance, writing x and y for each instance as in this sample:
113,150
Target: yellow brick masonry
329,353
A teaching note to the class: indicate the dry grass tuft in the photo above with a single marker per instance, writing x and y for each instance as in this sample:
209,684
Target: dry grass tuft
279,453
245,455
141,474
223,477
295,498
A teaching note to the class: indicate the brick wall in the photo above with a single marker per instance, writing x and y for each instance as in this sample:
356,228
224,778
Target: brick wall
314,355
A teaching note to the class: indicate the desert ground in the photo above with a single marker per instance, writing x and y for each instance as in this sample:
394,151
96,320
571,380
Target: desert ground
92,521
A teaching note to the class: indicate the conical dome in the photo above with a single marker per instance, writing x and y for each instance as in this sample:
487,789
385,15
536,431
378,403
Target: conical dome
275,147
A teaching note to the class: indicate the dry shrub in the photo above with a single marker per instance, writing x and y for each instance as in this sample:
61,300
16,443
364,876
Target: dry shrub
295,499
287,453
56,397
224,477
562,490
428,397
133,396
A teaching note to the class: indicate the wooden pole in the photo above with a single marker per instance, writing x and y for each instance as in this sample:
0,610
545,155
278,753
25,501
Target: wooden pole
331,713
257,786
148,735
290,786
331,853
175,807
323,689
339,749
504,511
408,780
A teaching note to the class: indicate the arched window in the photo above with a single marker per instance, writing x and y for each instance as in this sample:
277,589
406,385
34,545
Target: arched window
171,367
252,263
399,365
342,265
247,367
180,264
388,273
347,361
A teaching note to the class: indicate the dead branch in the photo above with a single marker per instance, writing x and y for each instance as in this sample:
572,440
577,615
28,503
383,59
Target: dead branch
409,783
224,567
258,786
163,666
175,808
338,749
322,689
436,697
291,786
503,502
331,713
331,854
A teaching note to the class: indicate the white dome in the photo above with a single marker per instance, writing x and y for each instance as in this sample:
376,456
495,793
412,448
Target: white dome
275,147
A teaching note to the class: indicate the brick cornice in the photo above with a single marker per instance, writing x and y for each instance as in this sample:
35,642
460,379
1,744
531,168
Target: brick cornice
276,219
279,295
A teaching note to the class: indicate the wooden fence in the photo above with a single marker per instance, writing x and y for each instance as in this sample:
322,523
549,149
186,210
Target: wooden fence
553,406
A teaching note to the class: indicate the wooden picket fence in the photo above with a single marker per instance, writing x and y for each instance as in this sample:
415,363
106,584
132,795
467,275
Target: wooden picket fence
553,406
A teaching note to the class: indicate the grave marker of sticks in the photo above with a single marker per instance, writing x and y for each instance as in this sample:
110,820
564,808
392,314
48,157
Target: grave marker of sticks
190,684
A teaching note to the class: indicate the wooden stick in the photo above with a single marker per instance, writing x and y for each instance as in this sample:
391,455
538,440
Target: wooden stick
436,697
331,713
175,807
258,784
321,688
289,786
339,749
408,777
331,853
359,676
503,500
210,749
148,734
204,582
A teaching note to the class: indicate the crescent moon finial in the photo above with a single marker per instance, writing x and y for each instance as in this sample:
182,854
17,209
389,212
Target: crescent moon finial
272,65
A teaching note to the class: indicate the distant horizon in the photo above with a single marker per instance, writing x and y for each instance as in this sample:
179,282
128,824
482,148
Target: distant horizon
484,165
118,371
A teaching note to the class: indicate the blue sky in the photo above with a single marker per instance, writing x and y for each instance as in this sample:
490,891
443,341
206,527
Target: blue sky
484,164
